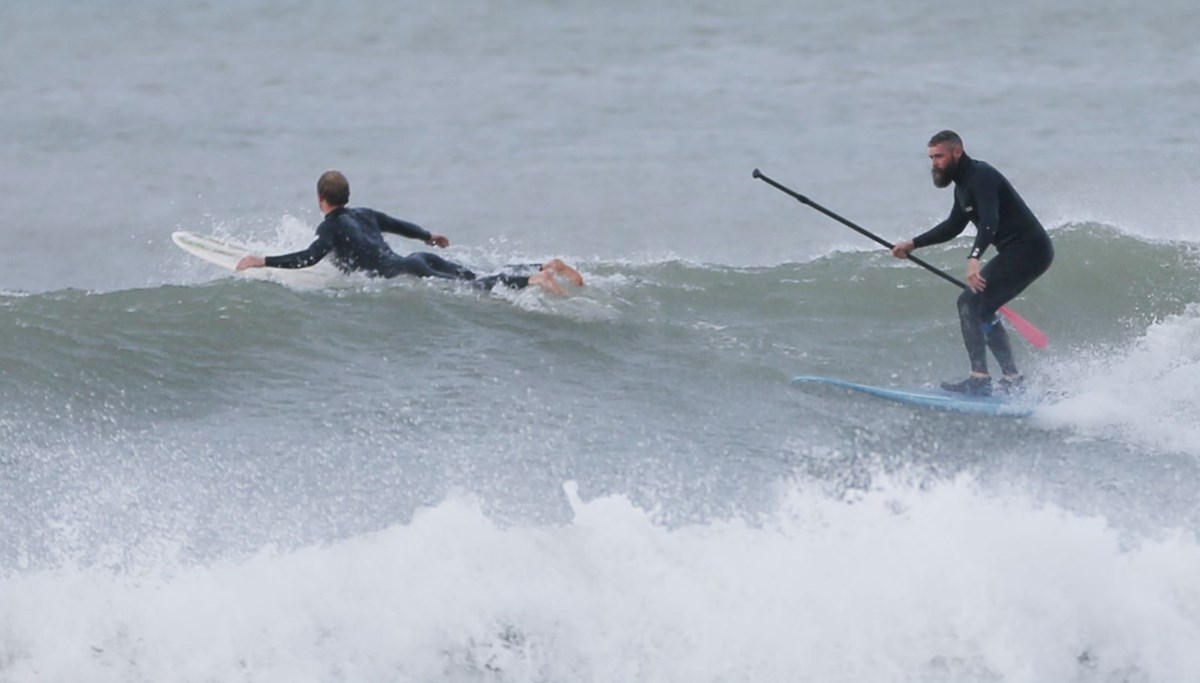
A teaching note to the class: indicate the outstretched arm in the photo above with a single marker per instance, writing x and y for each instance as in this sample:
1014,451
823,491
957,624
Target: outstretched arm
942,232
298,259
945,231
410,230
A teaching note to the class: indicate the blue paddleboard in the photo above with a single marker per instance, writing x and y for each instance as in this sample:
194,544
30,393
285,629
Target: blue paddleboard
938,399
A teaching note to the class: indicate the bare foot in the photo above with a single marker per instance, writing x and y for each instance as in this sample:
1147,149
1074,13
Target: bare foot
557,267
545,280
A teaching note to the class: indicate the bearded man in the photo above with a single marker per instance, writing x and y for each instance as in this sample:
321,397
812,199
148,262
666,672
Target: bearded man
984,197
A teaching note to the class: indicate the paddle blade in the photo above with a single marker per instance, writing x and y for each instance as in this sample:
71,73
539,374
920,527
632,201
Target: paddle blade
1025,328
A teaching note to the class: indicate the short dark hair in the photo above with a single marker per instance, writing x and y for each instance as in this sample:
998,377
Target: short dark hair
334,188
946,136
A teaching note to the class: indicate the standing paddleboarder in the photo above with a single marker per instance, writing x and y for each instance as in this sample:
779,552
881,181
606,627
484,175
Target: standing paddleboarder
1024,251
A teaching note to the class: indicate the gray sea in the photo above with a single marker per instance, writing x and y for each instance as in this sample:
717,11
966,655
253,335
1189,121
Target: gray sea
205,477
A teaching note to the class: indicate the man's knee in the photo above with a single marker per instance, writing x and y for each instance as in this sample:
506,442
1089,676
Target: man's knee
976,306
968,304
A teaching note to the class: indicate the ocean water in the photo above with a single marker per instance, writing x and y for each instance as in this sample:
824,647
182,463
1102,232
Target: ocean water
211,478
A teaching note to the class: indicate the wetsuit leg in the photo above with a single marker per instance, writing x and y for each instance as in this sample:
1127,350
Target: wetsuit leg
514,279
997,341
969,317
1007,274
424,264
503,279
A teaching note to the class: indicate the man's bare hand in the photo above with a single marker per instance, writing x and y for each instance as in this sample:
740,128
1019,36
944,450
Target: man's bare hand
251,261
974,280
903,249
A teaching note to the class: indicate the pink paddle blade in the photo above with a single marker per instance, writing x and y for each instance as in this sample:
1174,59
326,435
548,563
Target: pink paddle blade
1025,328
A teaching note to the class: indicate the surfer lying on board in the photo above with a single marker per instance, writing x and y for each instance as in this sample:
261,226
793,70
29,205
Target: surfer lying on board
355,236
1023,252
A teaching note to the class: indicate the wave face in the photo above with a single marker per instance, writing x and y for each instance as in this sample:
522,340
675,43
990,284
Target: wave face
84,363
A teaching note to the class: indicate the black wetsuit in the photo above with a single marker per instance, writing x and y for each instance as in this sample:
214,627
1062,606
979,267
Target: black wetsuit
985,197
355,236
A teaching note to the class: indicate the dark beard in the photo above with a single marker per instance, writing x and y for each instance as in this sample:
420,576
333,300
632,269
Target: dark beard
944,178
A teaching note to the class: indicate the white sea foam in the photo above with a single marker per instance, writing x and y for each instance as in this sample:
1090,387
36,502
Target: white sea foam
899,583
1147,393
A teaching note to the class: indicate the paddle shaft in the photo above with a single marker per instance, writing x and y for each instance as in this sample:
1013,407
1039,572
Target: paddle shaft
857,228
1025,328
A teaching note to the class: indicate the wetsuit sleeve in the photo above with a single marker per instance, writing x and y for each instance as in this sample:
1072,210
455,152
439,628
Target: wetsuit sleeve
398,227
986,192
945,231
310,256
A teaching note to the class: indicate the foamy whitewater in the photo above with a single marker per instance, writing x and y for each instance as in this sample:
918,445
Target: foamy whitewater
207,477
895,583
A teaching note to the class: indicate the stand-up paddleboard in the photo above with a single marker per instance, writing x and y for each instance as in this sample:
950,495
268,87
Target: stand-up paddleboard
938,399
227,254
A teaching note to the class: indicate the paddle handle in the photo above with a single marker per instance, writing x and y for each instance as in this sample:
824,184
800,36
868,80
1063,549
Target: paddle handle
857,228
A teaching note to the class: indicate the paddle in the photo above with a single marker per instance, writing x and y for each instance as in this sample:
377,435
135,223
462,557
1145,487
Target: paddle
1023,327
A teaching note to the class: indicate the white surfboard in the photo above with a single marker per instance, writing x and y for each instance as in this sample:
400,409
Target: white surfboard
227,254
